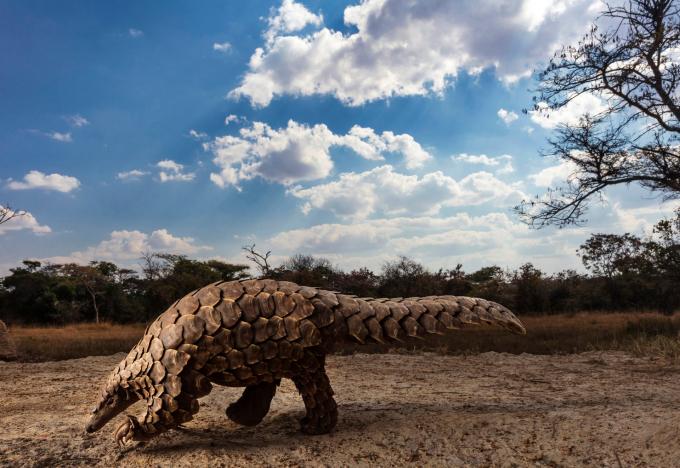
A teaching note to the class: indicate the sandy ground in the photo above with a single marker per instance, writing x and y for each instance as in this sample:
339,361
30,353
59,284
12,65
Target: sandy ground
592,409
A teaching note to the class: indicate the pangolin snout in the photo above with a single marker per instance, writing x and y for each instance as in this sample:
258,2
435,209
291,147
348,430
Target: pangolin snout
94,424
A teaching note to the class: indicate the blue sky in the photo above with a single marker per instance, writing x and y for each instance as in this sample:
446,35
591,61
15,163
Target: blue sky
356,131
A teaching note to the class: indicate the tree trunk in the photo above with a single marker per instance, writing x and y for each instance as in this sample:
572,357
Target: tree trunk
96,308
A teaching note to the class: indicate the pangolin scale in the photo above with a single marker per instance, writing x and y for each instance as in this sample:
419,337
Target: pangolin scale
252,334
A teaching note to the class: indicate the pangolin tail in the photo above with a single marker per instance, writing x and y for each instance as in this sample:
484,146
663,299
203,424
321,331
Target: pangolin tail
398,317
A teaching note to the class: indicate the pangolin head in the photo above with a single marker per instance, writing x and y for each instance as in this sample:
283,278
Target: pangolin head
113,400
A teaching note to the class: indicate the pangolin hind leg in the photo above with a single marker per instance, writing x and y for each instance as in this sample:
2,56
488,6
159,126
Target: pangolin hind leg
254,404
310,378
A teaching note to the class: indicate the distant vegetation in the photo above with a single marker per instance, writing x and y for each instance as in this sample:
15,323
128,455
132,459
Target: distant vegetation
626,272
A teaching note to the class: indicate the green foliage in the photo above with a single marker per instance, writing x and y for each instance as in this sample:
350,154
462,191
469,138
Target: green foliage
67,293
307,270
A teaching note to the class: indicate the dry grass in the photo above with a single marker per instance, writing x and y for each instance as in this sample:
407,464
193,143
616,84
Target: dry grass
74,341
646,334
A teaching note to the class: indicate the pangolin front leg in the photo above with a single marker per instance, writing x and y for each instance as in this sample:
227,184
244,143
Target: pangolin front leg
254,404
312,382
166,410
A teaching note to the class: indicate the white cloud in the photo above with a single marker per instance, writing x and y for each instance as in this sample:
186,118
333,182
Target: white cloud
290,17
337,238
135,33
172,171
23,221
300,152
131,245
233,118
569,114
62,137
134,174
507,116
554,175
287,155
414,155
223,47
197,135
475,241
642,219
398,48
77,120
483,159
384,191
39,180
507,168
162,240
368,144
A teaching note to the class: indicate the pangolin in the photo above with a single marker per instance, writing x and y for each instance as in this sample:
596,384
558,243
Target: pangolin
252,334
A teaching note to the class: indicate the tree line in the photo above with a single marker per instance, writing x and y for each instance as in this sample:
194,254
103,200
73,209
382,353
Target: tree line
625,272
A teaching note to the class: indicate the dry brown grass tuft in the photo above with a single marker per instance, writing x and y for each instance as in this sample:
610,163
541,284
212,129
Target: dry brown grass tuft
644,334
663,347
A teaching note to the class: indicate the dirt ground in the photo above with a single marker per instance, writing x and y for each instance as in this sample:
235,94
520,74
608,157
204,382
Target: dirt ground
590,409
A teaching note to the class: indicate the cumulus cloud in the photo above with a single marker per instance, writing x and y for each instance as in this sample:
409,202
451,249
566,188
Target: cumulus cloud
384,191
483,159
507,116
135,33
290,17
77,120
337,238
223,47
399,48
368,144
643,218
22,221
569,114
172,171
39,180
131,245
554,175
134,174
300,152
476,241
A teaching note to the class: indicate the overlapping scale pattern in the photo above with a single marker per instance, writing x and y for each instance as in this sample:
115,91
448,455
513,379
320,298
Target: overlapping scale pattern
246,333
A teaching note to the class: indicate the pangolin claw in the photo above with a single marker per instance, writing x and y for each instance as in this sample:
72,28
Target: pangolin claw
125,432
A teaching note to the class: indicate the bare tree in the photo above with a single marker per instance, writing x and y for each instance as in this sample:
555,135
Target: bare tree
7,213
630,60
158,265
91,278
262,261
